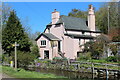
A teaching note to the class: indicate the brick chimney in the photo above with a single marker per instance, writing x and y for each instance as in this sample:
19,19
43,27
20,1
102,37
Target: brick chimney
55,16
91,18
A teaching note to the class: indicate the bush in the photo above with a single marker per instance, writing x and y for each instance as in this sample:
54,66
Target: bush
24,58
98,61
6,59
112,59
84,56
59,59
35,50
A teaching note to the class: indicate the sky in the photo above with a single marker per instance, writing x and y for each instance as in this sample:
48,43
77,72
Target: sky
38,14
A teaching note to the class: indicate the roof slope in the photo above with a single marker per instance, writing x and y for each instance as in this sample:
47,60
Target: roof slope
49,36
73,23
80,36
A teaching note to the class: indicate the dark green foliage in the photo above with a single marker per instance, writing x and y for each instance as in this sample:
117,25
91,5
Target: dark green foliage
34,50
116,38
59,59
78,13
13,32
24,58
102,16
112,59
84,56
113,48
96,49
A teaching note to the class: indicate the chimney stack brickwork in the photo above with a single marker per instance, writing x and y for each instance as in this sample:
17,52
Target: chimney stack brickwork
91,18
55,16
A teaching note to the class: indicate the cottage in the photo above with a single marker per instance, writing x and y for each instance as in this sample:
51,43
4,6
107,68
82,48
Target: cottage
65,36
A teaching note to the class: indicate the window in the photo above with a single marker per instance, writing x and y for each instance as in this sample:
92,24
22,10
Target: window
43,42
79,42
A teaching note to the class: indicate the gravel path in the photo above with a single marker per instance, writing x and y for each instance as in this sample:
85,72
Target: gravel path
2,75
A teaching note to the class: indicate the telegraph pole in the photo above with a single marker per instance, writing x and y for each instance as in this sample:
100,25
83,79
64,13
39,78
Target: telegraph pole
108,19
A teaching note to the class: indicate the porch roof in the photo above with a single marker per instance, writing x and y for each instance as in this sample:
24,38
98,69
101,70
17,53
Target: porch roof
49,36
80,36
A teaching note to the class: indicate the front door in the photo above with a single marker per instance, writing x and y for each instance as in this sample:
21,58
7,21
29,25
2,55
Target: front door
59,46
46,54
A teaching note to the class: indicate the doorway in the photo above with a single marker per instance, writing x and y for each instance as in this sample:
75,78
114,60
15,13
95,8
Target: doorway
46,54
59,49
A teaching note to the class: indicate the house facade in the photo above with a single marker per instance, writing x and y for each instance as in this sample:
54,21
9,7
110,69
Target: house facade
65,36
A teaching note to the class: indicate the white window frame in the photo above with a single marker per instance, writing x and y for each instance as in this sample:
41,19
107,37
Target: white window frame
43,42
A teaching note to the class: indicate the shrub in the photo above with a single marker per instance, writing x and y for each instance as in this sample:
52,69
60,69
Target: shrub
59,59
112,59
24,58
6,59
35,50
56,58
84,56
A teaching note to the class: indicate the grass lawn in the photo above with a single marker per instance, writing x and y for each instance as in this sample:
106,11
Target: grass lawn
26,74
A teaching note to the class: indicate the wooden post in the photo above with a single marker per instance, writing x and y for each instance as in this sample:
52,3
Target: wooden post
92,70
78,66
107,73
16,55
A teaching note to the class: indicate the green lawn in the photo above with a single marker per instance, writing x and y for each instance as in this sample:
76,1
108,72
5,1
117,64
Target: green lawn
27,74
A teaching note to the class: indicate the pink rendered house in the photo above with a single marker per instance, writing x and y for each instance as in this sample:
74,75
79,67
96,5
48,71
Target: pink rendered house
65,36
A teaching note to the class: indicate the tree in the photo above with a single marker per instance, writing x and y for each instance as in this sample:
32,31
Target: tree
78,13
102,16
14,32
35,50
114,34
4,13
113,48
98,47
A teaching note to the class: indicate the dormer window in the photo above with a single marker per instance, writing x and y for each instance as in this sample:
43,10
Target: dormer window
43,42
49,30
83,32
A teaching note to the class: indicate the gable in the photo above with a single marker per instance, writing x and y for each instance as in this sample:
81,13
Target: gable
49,36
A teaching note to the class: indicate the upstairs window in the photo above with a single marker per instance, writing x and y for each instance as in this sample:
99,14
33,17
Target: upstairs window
43,42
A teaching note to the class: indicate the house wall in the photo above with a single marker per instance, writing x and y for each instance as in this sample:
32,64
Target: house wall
68,47
71,46
73,32
46,31
52,52
58,31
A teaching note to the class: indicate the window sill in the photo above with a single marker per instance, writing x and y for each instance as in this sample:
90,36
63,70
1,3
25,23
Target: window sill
43,46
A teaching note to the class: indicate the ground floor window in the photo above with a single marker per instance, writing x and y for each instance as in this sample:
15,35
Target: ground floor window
78,54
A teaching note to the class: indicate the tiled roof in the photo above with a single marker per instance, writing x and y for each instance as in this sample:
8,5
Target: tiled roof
80,36
49,36
73,23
